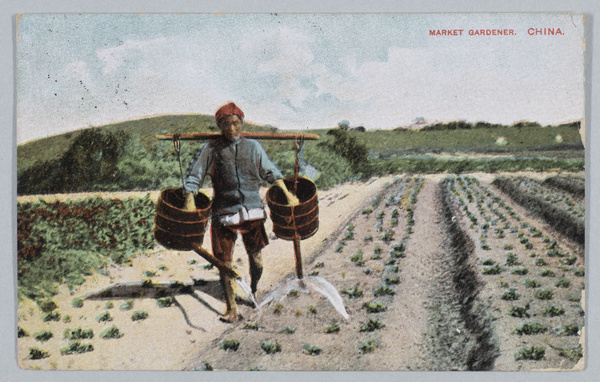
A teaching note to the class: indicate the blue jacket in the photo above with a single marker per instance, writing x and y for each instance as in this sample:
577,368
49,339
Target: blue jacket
236,169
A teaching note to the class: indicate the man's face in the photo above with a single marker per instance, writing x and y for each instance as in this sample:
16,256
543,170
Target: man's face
230,126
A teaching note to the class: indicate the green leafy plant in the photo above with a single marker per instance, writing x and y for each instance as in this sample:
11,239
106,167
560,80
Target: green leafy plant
319,264
312,309
495,270
553,311
46,305
333,328
488,262
520,271
547,273
204,366
36,353
231,344
357,258
43,335
367,346
311,349
103,317
544,295
127,305
371,325
139,315
533,353
383,290
78,334
339,248
510,295
270,347
532,283
563,283
579,272
287,329
352,292
531,328
52,316
512,259
572,354
518,311
277,309
21,332
162,267
374,307
76,347
112,332
149,273
77,302
164,302
391,279
109,305
568,330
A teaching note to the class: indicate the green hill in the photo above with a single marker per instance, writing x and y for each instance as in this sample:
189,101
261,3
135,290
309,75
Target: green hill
127,155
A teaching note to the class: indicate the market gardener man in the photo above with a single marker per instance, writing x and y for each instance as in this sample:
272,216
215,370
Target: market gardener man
236,166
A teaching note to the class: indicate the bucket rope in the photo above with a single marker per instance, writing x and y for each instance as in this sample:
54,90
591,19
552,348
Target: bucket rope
177,146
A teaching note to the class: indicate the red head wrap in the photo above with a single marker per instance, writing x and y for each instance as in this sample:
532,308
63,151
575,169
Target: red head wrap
229,109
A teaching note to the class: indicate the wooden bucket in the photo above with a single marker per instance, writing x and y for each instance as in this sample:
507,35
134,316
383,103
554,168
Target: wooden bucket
175,228
301,221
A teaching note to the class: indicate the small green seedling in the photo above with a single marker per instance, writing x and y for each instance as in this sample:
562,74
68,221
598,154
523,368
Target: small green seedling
312,309
391,279
383,290
547,273
387,236
369,238
371,325
277,309
540,262
163,267
208,266
533,353
165,302
532,283
127,305
520,271
35,353
314,272
21,332
544,295
368,271
252,325
488,262
485,246
508,247
78,334
518,311
149,273
510,295
311,349
294,293
231,344
319,264
147,284
348,235
350,227
139,315
112,332
376,256
563,283
531,328
104,317
287,330
374,307
495,270
367,346
109,305
46,305
333,328
512,259
76,347
192,261
43,335
568,330
270,347
352,292
572,354
575,298
553,311
339,248
569,260
579,272
52,316
77,302
389,262
204,366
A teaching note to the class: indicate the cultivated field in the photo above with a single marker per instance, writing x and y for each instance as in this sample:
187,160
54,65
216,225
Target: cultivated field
436,272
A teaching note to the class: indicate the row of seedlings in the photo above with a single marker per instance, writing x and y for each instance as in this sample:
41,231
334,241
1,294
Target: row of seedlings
526,296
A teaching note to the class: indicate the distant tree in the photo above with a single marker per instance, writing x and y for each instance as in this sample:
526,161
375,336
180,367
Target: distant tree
347,146
344,124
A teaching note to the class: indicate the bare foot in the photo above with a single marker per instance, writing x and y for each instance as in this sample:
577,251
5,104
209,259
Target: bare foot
230,317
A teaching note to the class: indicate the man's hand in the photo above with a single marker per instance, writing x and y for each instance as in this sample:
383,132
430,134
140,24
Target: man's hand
190,203
291,198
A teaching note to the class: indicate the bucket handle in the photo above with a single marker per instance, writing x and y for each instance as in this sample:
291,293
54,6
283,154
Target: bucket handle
177,146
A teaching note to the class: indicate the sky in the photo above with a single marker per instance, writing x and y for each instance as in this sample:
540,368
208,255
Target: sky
296,71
